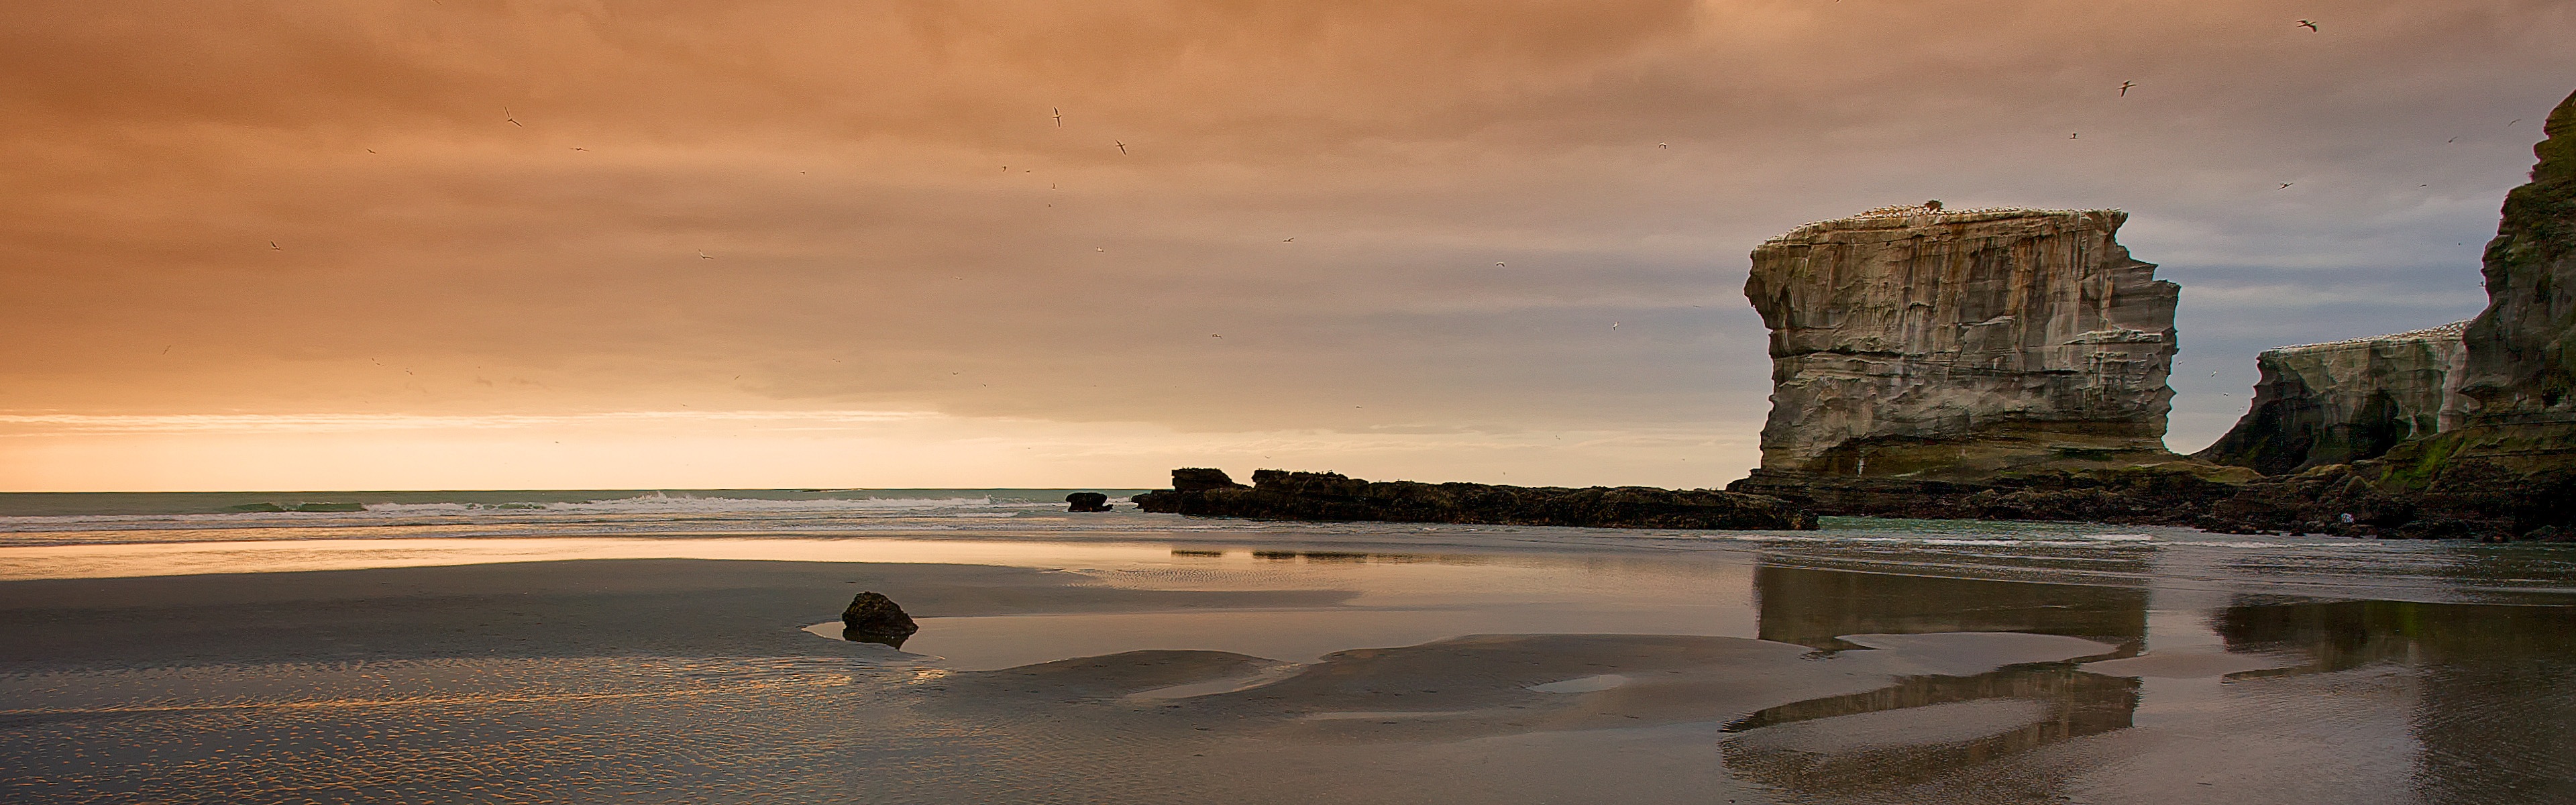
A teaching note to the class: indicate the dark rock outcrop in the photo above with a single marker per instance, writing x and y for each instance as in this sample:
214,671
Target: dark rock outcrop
874,618
1201,479
1086,502
1957,345
2344,401
1282,495
2175,493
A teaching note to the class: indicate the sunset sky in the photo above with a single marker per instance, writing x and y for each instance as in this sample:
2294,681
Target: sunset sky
798,243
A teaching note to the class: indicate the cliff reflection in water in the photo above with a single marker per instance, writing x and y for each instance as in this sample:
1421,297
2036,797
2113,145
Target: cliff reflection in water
2497,691
2023,707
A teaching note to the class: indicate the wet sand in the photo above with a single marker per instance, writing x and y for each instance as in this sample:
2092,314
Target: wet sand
1641,680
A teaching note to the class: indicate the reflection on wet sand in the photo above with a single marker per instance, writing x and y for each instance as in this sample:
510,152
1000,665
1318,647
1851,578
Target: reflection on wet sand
1812,607
2499,681
1165,674
1822,608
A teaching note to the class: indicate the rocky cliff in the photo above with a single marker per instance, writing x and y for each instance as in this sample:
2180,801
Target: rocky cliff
2521,351
2508,468
1956,345
1281,495
2343,401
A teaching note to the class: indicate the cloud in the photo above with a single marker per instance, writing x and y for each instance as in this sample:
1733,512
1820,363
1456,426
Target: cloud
844,167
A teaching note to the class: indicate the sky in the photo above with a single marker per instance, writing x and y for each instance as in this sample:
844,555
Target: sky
480,244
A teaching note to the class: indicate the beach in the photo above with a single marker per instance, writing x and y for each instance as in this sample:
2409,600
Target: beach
382,656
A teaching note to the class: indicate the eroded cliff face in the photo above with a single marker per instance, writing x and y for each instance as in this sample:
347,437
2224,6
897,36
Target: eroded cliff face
2344,401
2522,348
1928,344
2521,351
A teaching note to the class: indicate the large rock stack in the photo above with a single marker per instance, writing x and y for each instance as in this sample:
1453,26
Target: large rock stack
1913,347
2344,401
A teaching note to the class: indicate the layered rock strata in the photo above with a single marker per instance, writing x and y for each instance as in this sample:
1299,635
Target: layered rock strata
1282,495
1958,345
2344,401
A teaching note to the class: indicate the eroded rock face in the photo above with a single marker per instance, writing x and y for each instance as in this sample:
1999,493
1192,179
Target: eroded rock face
1960,344
2521,351
2345,401
1281,495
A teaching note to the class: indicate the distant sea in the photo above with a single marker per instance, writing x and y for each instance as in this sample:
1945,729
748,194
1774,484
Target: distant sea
56,518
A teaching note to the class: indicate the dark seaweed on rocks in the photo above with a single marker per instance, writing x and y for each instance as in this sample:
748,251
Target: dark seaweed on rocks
1283,495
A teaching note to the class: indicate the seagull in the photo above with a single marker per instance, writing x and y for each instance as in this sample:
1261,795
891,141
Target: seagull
2452,140
2073,136
166,350
702,255
1498,265
2515,120
2312,27
1213,335
505,115
579,148
371,150
1614,325
2285,185
1122,147
273,245
1059,116
2213,373
1099,248
1287,240
2124,87
1663,145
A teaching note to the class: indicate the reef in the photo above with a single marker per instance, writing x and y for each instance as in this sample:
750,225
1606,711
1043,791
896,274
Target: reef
1283,495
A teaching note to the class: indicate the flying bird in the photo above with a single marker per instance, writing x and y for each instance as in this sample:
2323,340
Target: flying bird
1213,335
1100,248
2213,373
2073,136
1287,240
1663,145
2311,26
2124,87
273,245
2285,185
1498,265
702,255
1122,147
1059,116
505,115
579,148
2515,120
1614,325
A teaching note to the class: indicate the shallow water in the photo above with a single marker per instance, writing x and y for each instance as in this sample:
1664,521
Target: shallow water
1870,661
